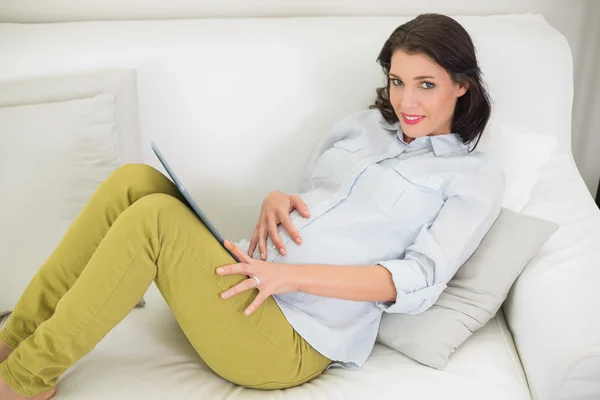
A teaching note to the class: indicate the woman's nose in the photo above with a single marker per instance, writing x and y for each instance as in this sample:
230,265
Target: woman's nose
408,100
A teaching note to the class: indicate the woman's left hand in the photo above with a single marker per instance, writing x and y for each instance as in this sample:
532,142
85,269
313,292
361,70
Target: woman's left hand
274,278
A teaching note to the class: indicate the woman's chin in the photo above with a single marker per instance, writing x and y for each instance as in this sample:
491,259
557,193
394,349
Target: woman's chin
411,133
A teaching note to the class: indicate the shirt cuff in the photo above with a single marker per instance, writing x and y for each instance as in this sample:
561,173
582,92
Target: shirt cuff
413,295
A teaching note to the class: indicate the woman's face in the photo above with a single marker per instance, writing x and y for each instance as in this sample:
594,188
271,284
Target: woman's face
422,94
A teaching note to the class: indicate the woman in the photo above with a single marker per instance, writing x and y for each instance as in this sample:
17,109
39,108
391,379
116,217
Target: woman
397,203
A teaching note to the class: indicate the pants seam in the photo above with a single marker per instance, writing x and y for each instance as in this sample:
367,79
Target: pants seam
6,339
95,314
293,383
11,381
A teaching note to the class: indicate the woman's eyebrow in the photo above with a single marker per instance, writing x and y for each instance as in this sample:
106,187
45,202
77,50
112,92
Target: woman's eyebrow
416,78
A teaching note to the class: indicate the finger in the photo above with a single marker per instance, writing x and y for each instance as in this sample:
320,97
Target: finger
300,205
253,242
262,236
237,252
232,269
244,285
274,233
260,298
290,228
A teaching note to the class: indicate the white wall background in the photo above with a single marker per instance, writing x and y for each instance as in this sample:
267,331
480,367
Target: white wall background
577,20
586,104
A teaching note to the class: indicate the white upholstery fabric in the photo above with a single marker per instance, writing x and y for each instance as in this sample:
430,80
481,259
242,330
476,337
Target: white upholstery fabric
236,106
120,82
269,85
522,156
148,357
582,379
53,156
554,307
59,142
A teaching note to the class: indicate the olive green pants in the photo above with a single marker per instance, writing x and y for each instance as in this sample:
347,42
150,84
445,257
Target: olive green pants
134,230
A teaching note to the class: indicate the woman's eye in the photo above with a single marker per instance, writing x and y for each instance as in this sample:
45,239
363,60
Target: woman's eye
396,82
427,85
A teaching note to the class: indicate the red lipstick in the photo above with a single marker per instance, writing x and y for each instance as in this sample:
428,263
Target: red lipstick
412,119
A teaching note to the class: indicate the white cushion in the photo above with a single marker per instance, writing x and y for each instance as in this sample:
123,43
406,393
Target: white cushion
553,309
121,84
522,156
92,82
52,158
148,356
473,295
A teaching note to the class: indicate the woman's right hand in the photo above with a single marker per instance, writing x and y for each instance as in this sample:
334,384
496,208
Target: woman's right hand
275,210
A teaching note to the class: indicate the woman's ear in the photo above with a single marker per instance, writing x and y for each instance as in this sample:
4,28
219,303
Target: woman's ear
461,88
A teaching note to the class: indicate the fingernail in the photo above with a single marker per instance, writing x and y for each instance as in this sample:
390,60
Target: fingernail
298,240
220,270
282,251
262,255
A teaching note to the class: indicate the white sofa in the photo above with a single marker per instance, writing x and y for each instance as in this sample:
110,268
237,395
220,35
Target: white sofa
238,104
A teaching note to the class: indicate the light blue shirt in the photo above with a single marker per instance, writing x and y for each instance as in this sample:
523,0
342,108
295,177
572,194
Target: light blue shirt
419,210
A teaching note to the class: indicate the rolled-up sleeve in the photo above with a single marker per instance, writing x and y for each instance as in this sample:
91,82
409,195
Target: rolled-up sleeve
473,203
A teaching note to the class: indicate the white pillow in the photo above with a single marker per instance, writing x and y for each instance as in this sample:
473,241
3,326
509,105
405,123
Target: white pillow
52,158
522,156
473,296
122,83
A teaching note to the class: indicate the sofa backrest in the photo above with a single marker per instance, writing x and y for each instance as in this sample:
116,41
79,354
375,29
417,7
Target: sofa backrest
237,105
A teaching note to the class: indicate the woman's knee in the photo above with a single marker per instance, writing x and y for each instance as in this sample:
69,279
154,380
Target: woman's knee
140,180
162,202
134,172
160,209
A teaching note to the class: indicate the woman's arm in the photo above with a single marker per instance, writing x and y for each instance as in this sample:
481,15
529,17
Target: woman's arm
359,283
408,285
413,283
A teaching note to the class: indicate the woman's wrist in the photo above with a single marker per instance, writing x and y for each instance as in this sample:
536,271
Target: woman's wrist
294,276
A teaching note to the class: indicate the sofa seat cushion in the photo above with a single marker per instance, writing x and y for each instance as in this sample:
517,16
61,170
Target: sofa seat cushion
147,356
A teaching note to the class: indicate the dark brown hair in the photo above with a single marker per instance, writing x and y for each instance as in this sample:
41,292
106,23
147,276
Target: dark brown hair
447,43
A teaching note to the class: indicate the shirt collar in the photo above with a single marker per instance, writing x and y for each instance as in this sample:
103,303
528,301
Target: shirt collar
441,144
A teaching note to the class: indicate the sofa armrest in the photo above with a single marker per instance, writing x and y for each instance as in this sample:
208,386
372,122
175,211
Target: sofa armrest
553,310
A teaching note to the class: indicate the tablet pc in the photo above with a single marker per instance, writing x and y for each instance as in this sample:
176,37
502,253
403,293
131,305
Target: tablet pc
190,201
